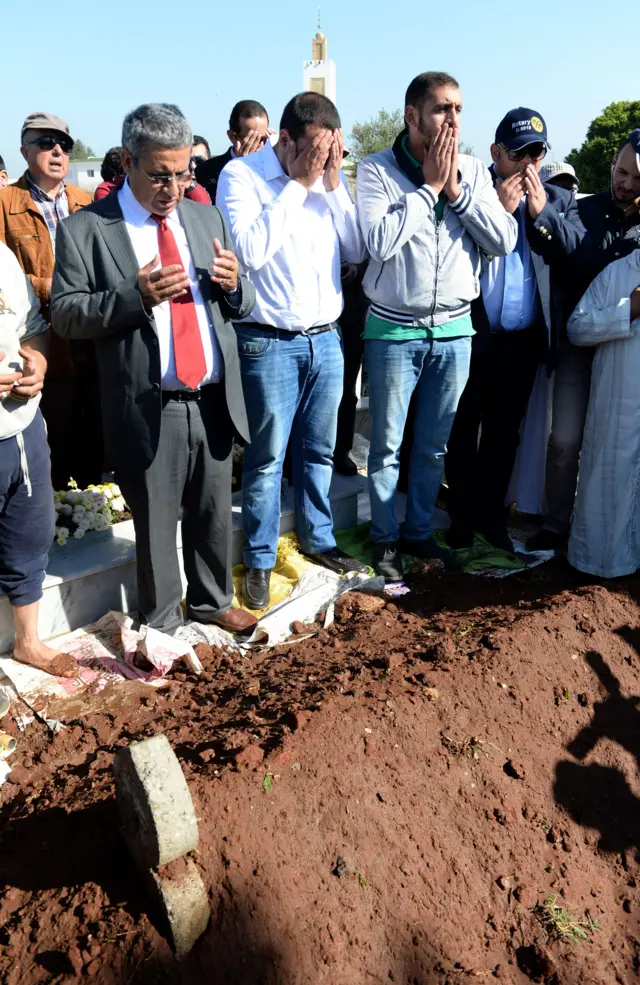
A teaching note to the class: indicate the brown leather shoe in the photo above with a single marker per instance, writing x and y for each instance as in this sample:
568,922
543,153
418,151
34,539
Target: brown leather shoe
236,621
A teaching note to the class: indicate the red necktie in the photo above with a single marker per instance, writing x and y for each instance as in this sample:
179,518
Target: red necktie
191,365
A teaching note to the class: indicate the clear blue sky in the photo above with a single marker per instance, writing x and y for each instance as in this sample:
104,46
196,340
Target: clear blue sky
563,59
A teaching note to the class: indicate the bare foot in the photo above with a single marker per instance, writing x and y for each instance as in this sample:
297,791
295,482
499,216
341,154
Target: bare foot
44,658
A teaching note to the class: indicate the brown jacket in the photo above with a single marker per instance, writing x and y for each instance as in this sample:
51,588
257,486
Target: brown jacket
23,229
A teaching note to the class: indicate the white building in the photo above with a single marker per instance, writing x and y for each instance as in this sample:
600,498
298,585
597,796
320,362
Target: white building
319,74
85,174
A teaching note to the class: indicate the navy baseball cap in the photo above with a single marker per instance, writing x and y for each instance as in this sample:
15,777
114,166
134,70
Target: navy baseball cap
634,140
522,126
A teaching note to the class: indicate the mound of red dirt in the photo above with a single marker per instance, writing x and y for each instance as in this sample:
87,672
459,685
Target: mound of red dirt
432,791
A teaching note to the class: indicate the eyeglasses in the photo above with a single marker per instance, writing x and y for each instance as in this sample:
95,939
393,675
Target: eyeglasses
164,180
535,151
48,142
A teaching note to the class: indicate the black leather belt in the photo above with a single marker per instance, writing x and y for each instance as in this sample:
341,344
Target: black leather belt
183,396
268,330
318,329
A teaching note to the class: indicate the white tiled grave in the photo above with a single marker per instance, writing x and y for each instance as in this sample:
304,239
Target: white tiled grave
88,577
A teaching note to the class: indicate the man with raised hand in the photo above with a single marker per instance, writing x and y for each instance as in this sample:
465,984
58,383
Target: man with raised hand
248,133
150,279
427,214
292,221
612,222
512,335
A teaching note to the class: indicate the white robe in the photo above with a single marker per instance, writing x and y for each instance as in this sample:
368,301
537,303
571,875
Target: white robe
605,533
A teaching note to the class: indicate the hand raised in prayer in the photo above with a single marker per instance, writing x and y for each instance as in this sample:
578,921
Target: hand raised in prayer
331,176
160,285
510,191
7,380
253,142
536,195
308,165
436,165
224,269
452,188
635,303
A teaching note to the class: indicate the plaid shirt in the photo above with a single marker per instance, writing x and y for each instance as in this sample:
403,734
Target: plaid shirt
53,209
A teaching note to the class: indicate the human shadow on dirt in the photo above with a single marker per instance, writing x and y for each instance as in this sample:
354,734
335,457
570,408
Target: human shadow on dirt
599,796
54,849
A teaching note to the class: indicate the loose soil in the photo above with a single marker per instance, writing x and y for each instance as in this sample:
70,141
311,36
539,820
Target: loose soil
391,800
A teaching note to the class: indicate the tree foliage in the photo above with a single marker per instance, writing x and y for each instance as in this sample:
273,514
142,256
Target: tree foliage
380,132
376,134
81,152
592,161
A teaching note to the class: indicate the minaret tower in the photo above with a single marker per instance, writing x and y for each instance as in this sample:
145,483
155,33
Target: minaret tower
319,74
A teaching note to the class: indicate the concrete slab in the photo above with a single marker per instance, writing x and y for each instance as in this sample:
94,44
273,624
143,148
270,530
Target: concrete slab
158,817
179,894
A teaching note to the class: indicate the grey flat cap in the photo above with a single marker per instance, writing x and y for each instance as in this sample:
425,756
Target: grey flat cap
44,121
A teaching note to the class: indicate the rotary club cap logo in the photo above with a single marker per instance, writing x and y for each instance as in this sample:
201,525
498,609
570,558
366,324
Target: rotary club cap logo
537,124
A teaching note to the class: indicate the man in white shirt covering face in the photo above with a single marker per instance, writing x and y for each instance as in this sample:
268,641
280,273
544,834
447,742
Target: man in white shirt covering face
292,222
605,532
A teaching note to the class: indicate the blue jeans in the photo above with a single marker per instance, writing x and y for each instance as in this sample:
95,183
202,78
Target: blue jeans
292,387
27,521
437,371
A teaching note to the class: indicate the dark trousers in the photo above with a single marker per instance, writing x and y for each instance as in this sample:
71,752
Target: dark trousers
71,408
353,350
26,520
192,471
493,403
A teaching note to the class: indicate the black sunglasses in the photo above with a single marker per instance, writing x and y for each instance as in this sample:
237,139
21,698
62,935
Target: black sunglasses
535,151
48,142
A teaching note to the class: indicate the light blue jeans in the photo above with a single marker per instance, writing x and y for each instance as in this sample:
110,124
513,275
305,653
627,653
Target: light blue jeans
292,386
438,372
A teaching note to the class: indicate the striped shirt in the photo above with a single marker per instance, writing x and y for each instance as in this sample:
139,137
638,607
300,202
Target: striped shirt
53,209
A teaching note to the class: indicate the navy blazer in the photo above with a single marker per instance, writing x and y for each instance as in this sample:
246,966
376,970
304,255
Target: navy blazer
555,235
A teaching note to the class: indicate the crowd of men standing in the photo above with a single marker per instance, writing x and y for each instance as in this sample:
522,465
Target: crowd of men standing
178,326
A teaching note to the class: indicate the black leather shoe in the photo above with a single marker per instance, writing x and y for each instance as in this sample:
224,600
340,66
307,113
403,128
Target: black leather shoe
429,550
459,536
344,465
547,540
335,560
498,536
387,561
255,587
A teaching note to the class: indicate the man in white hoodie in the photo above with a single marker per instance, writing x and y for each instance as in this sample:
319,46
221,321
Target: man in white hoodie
27,515
427,213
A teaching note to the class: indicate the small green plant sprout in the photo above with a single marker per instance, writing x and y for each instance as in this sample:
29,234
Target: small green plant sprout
266,783
561,926
361,879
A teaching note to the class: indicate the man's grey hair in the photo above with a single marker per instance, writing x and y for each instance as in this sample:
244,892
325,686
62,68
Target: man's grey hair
158,124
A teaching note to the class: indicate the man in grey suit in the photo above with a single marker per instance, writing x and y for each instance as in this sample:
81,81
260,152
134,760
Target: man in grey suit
148,278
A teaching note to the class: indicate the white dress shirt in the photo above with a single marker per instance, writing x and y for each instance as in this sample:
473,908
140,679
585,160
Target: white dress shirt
492,281
143,233
289,240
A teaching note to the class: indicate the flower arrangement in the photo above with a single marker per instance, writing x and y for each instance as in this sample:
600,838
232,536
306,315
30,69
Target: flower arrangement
81,510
